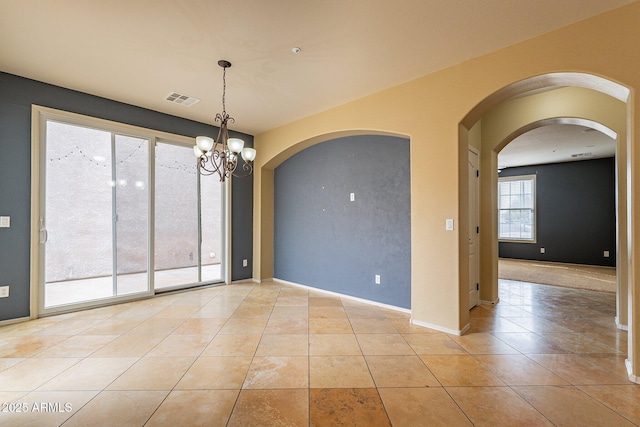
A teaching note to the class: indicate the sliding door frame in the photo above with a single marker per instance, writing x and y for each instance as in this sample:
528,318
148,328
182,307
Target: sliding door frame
225,226
39,117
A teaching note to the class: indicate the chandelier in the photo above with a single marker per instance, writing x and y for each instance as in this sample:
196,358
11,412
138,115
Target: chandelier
222,155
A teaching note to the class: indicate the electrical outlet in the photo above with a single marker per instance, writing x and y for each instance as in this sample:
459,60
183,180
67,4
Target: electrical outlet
606,254
542,250
377,279
245,262
5,221
4,292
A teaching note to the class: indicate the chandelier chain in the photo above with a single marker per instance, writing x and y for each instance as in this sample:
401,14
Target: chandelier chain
224,90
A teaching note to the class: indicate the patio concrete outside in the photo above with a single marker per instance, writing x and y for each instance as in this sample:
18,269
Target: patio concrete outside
96,288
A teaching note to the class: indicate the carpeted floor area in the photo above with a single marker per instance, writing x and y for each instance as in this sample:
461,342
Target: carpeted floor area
593,278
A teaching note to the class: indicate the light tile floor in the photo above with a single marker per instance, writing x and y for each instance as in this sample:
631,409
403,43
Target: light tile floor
249,355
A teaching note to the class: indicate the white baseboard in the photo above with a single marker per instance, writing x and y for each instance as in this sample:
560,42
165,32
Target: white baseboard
483,302
12,321
620,326
440,328
632,377
336,294
242,281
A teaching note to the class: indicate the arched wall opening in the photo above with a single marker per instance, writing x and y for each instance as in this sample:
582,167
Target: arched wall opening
571,98
342,219
264,184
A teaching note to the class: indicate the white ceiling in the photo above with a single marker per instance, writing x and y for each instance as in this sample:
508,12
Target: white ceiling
556,143
138,51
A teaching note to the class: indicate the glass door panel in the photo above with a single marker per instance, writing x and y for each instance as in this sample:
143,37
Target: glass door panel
77,216
211,218
95,208
93,223
131,213
176,217
188,220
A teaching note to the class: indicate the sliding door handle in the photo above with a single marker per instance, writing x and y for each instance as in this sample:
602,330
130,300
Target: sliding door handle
44,236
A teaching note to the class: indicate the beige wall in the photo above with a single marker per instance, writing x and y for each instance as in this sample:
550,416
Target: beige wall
429,111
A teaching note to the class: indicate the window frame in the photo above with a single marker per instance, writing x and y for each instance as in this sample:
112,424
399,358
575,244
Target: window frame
534,223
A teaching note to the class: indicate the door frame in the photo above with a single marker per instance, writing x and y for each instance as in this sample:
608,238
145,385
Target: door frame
475,189
225,226
39,116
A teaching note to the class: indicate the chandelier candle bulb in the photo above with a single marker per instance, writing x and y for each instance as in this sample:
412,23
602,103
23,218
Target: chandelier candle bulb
235,145
204,143
248,154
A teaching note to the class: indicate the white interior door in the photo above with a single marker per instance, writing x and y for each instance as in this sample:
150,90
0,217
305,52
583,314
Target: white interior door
474,230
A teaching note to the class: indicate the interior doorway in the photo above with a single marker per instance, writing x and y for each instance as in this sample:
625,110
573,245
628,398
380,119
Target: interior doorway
532,103
562,230
474,227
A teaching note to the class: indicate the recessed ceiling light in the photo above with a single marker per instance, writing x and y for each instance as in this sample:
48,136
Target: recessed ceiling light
296,50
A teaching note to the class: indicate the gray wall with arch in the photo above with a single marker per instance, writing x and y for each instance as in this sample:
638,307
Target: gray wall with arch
324,240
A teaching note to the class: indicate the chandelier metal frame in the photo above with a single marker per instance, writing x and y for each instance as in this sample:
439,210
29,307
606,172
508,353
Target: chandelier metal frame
222,155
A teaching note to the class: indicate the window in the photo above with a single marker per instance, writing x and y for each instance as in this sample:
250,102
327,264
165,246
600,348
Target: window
516,208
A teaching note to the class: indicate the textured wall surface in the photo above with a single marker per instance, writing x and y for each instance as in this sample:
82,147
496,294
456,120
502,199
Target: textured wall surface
324,240
576,217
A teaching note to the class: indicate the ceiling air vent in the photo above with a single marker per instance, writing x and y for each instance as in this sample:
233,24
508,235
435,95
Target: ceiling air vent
582,155
181,99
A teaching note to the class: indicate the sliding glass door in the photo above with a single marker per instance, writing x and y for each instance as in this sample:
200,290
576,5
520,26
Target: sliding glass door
188,220
94,221
110,213
130,197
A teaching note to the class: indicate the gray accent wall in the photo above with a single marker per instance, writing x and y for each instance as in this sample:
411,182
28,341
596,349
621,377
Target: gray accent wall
576,213
17,96
326,241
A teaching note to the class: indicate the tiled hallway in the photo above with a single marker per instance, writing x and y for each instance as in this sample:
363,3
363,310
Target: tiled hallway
267,355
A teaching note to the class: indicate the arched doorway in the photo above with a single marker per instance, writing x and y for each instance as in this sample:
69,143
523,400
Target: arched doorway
522,106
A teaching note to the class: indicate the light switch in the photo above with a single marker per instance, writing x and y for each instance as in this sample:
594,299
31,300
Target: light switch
448,224
5,221
352,197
